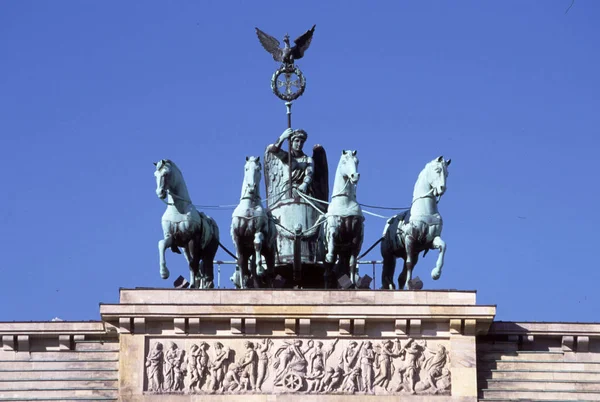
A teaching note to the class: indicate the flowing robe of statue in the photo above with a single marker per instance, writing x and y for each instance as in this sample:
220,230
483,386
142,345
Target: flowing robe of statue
154,367
309,177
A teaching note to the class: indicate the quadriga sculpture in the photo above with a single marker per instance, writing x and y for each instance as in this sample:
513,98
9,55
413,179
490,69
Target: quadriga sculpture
407,234
253,230
344,226
185,227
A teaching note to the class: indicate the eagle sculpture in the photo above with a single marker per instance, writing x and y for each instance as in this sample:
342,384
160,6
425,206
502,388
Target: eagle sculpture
287,54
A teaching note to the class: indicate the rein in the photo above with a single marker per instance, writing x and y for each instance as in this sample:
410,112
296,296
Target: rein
341,193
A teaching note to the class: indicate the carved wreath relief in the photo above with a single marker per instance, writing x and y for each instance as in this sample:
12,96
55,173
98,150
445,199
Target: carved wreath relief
299,366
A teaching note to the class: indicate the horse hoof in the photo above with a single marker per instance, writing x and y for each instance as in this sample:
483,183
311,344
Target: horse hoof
164,273
435,274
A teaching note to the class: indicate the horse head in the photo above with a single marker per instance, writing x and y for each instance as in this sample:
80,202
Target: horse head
348,166
162,174
437,172
252,168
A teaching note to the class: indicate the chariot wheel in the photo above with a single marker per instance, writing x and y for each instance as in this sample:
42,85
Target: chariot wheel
293,382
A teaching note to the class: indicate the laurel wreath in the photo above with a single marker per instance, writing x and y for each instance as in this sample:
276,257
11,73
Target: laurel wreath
288,70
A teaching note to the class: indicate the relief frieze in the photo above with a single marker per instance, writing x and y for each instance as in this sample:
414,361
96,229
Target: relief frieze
310,366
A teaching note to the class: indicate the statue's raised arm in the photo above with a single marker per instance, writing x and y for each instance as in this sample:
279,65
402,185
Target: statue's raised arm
277,163
302,164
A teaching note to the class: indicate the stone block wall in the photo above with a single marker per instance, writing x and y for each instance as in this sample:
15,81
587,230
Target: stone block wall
58,361
539,362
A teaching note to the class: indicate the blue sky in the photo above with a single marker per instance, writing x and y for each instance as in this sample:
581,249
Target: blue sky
93,92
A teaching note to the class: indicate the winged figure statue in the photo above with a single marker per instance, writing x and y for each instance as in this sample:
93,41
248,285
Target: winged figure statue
309,174
286,55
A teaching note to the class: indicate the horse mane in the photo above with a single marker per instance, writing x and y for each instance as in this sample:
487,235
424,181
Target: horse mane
427,165
172,165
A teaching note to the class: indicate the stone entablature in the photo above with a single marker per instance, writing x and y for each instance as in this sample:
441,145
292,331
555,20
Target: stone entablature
309,343
285,345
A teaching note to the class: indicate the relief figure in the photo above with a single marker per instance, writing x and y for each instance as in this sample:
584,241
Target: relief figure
154,368
434,375
197,366
385,362
367,358
411,355
231,382
173,371
263,362
218,367
249,365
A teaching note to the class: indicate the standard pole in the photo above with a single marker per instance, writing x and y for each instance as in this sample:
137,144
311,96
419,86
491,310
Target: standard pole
288,105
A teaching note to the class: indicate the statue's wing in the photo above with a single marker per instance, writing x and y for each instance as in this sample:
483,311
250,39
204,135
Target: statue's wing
274,177
320,183
270,44
302,43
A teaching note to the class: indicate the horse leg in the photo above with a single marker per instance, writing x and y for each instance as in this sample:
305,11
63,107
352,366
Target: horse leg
353,269
358,233
253,276
163,245
412,256
193,265
387,272
343,267
330,257
402,276
269,254
207,271
441,246
258,243
243,261
389,264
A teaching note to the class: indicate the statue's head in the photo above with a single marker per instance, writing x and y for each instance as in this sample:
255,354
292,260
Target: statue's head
352,344
162,176
248,345
368,345
437,172
252,170
348,166
298,139
286,39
